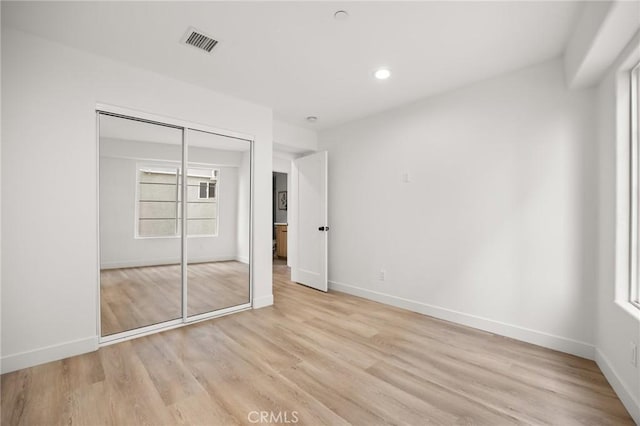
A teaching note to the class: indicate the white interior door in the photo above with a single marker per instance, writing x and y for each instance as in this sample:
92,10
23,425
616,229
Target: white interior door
310,227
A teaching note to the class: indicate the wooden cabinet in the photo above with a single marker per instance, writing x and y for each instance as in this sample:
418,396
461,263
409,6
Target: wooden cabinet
281,241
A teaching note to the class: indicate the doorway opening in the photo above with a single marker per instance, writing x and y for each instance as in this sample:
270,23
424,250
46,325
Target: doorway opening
300,219
280,219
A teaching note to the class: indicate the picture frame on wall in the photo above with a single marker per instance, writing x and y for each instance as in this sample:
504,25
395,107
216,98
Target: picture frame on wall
282,200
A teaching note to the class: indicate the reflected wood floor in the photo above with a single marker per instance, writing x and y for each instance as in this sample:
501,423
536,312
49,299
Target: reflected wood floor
135,297
332,358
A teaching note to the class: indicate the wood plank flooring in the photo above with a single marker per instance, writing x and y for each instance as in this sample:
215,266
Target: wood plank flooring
327,358
135,297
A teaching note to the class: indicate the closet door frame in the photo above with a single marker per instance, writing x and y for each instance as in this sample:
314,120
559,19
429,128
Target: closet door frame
184,126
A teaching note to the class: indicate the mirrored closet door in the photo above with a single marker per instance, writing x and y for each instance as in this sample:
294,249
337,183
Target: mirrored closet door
217,222
156,269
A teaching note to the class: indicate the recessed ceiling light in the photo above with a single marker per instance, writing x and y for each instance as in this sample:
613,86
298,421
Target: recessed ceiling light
341,15
382,74
312,119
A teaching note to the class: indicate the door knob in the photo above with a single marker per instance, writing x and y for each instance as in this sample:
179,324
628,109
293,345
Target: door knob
323,228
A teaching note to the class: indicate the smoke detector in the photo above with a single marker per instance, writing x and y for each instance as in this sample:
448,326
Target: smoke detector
199,40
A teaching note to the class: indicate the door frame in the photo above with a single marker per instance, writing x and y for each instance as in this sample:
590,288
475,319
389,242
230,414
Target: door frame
157,119
285,157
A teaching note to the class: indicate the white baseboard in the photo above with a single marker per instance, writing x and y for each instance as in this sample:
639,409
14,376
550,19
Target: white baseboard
540,338
242,259
47,354
630,403
261,302
138,263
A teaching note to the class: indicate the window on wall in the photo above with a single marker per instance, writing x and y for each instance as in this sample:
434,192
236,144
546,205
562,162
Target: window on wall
159,202
202,202
207,190
634,291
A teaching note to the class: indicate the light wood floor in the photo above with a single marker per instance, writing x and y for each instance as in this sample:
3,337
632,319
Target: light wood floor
135,297
331,358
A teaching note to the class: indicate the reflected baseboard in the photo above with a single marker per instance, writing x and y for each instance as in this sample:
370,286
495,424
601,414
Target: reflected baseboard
172,261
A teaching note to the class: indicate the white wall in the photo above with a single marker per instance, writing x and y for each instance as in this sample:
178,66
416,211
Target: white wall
618,322
290,138
282,164
119,161
600,34
49,257
496,228
1,273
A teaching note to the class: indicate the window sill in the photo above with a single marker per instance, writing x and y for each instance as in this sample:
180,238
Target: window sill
167,237
174,237
629,308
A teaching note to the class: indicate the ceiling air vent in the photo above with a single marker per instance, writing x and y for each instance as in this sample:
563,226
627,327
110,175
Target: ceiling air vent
197,39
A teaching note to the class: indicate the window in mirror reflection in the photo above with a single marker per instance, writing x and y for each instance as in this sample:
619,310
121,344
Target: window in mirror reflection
159,212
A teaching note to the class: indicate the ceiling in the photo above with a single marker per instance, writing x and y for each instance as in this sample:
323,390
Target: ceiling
299,60
133,130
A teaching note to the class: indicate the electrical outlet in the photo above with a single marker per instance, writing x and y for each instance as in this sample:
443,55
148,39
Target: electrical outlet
382,275
634,354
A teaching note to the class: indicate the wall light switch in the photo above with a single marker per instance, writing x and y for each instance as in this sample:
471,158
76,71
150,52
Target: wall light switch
405,177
